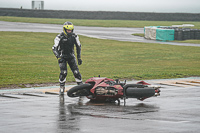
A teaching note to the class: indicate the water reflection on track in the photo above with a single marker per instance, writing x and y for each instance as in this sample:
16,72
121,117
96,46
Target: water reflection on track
113,110
176,110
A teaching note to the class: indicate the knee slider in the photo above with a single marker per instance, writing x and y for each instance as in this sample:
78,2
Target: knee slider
63,76
77,74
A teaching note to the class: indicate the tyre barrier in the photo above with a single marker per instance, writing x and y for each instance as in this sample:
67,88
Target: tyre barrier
164,33
185,34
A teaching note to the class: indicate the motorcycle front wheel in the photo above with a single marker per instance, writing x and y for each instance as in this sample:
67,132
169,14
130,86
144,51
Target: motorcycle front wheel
80,90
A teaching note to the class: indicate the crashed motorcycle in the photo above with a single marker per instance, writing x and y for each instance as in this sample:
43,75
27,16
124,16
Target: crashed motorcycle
108,90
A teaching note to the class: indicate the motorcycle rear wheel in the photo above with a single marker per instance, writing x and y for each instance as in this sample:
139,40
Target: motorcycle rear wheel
134,92
138,91
80,90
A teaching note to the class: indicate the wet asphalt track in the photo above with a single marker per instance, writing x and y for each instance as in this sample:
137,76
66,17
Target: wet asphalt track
31,110
34,110
120,34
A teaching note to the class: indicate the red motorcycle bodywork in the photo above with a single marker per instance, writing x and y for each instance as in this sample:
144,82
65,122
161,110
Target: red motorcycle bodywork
101,82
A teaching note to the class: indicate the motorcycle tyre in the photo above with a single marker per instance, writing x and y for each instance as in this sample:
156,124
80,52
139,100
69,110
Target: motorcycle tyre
134,92
86,87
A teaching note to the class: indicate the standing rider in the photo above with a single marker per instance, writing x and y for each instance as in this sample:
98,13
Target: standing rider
63,49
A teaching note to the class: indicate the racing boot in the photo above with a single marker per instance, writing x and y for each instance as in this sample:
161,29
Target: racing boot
62,88
80,101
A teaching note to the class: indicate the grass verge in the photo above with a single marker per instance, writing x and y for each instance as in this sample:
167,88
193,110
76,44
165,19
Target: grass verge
28,58
185,41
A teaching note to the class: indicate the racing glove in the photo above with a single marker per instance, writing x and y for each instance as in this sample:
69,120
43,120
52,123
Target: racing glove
79,61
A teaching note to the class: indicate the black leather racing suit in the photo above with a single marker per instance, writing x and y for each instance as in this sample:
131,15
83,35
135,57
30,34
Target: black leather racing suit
63,48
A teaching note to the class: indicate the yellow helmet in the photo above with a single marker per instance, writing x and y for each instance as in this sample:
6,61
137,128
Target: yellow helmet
68,26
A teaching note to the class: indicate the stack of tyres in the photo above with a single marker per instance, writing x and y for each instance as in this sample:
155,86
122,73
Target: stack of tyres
188,31
186,34
197,34
192,33
198,37
178,35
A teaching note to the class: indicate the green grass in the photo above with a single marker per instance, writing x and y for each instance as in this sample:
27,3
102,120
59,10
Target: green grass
189,41
28,58
185,41
138,34
99,23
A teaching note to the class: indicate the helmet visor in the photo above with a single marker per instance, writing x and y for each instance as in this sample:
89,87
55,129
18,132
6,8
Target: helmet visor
68,27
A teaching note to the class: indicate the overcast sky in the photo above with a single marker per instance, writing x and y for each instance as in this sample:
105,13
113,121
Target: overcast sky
182,6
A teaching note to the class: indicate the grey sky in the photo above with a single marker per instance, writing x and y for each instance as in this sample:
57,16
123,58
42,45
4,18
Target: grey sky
182,6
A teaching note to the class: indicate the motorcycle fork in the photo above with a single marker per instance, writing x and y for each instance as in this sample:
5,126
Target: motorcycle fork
124,96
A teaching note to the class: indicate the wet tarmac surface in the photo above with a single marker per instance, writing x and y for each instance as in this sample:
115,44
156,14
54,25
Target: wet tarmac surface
95,32
34,110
